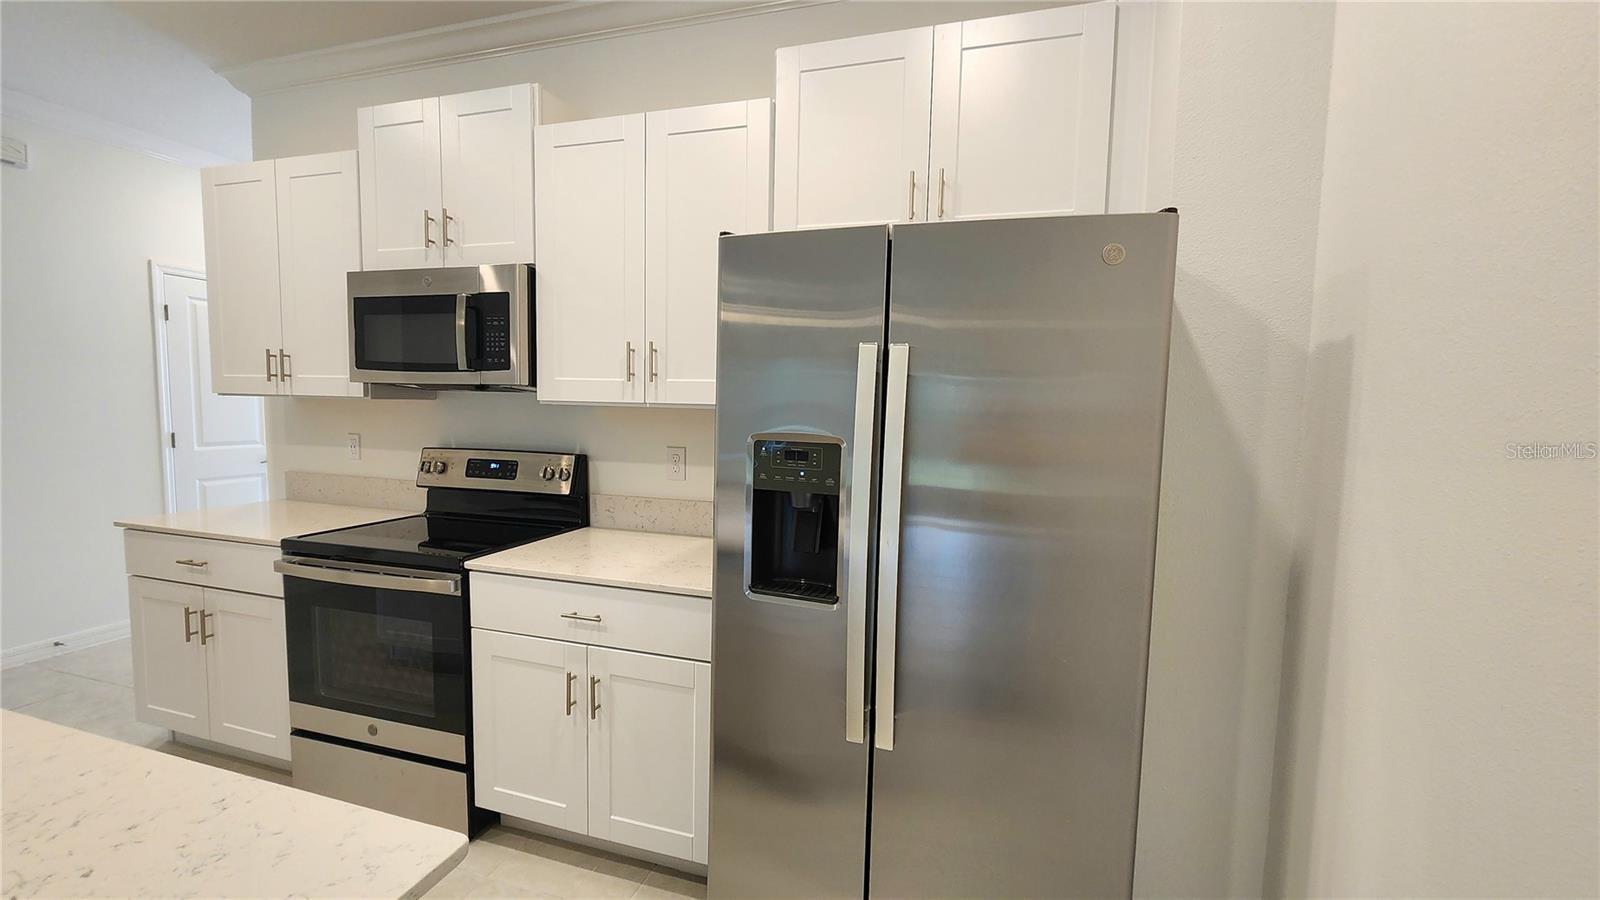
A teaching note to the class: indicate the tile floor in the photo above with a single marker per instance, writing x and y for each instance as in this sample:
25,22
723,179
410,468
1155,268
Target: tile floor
92,690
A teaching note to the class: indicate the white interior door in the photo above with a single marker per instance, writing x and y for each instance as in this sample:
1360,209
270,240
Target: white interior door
216,443
169,665
530,728
1022,113
247,671
400,193
486,168
851,146
591,209
649,752
319,243
241,226
706,172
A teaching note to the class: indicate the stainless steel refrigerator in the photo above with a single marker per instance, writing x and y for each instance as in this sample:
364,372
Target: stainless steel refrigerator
938,461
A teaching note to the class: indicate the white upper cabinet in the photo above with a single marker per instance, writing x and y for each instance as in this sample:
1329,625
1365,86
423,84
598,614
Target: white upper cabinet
448,180
852,131
486,167
706,172
1022,113
319,242
241,229
591,210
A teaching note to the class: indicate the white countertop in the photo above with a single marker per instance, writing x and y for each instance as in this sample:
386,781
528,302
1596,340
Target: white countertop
87,816
260,523
670,563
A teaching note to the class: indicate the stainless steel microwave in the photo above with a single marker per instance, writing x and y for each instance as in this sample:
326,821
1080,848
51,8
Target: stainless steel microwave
461,327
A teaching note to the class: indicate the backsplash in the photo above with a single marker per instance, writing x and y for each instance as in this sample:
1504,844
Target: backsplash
605,510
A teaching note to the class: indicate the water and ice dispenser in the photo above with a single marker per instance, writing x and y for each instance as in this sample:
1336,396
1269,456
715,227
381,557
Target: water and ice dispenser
794,519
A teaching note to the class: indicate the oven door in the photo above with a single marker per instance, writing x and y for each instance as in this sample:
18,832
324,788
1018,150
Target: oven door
377,655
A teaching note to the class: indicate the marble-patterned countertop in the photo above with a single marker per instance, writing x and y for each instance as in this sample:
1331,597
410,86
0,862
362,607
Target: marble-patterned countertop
260,523
86,816
670,563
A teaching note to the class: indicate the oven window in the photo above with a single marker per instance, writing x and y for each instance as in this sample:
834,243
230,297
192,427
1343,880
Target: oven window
406,334
375,660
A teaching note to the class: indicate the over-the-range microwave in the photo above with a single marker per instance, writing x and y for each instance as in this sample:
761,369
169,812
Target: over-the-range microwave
461,327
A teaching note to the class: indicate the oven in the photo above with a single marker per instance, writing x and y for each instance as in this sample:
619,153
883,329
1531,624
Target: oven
463,327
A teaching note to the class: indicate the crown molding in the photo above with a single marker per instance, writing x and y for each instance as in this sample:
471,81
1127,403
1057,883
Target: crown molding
564,24
28,108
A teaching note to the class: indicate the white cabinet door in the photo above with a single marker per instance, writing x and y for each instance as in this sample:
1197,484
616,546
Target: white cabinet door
1022,113
530,728
399,144
590,206
706,172
486,166
169,665
649,752
247,671
241,229
319,242
852,131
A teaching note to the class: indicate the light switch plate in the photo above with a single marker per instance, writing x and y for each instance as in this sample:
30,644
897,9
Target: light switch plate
677,461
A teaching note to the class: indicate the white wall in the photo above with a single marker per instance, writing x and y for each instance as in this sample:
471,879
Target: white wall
78,389
1440,699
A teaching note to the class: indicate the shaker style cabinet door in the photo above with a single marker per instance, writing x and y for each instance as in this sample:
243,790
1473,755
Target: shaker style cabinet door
530,725
241,231
486,166
1022,113
590,278
169,665
247,671
852,131
650,752
706,172
319,241
399,144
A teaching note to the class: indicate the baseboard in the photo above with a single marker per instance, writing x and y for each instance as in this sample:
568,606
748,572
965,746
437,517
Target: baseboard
89,637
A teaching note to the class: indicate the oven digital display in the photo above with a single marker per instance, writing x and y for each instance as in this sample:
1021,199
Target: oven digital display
502,469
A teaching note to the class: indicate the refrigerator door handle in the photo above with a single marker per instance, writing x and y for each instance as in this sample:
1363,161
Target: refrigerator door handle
894,464
859,517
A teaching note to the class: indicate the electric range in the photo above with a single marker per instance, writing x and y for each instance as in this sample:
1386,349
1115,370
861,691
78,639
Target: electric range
378,624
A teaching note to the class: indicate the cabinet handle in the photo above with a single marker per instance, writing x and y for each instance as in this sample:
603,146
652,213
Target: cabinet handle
444,224
580,617
652,360
272,372
941,192
283,364
204,636
911,204
630,360
571,702
188,635
192,563
427,232
594,697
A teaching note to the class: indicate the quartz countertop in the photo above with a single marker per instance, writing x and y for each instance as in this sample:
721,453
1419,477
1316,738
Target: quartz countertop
87,816
260,523
670,563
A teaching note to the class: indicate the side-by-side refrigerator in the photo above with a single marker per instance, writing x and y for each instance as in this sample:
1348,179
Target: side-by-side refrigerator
938,462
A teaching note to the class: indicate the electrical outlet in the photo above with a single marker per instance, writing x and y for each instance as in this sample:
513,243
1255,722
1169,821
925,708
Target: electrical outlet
353,444
677,461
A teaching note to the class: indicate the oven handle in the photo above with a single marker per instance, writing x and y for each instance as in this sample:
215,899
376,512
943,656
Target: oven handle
461,332
386,577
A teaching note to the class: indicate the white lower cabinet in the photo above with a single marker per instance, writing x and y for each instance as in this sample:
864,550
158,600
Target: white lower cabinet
169,665
247,671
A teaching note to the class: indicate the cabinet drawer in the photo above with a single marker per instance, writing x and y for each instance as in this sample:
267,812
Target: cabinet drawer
669,624
226,564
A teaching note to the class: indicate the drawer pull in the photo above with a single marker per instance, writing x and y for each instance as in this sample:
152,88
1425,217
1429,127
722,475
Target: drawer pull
191,563
580,617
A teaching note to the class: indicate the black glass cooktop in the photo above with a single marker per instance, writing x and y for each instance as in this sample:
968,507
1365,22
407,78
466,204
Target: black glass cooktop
441,542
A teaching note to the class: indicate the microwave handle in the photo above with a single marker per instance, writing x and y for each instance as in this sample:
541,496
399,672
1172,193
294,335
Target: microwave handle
461,332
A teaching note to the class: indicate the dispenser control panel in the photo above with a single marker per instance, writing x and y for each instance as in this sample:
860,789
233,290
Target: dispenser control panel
796,466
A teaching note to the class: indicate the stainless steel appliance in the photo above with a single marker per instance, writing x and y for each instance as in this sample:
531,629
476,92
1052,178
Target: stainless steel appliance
936,486
463,327
380,699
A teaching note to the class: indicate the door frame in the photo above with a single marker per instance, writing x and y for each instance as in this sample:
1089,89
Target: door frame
158,301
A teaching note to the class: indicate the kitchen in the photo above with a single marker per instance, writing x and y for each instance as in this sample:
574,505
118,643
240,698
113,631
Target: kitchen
497,555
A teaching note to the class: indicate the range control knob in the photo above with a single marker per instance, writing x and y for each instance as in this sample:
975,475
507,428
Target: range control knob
548,473
439,467
566,473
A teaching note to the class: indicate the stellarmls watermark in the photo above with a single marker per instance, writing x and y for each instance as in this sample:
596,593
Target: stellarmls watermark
1543,450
